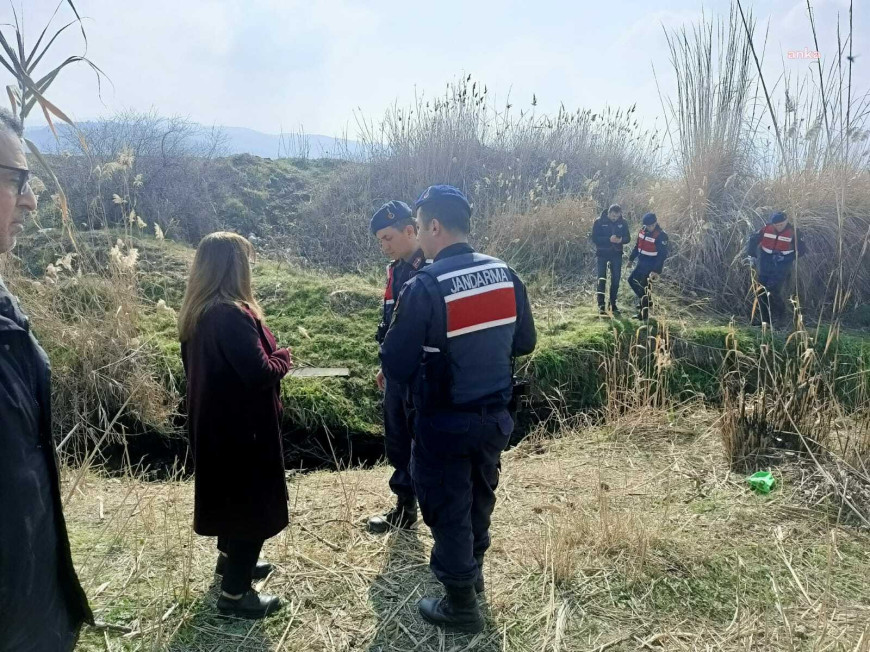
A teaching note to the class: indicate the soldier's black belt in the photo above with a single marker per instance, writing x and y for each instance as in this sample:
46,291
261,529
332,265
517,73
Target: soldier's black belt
482,410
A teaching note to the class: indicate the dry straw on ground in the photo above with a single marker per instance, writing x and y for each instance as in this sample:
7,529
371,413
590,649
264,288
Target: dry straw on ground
615,538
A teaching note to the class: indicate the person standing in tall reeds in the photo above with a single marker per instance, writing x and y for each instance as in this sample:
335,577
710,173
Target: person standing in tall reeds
42,605
609,235
234,368
772,250
650,251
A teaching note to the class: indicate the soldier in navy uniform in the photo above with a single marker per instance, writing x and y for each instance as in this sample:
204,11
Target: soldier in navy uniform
609,234
457,327
393,226
650,251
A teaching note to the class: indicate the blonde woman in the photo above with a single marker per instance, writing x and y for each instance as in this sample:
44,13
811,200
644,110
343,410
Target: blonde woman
233,367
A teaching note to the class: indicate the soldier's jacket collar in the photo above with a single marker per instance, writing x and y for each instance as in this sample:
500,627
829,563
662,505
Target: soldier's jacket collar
417,260
455,250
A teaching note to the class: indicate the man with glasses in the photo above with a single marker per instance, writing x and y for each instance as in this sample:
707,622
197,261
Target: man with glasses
42,605
17,197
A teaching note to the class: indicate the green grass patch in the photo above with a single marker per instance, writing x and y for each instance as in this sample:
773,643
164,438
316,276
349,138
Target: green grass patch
329,320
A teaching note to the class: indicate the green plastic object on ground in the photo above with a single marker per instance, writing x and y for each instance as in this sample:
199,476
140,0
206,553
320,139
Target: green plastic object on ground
762,481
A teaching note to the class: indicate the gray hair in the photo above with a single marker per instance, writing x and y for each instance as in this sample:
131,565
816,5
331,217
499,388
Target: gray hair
10,123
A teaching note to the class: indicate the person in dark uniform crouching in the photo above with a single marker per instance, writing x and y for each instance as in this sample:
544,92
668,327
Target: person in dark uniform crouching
393,226
650,251
457,326
609,235
773,250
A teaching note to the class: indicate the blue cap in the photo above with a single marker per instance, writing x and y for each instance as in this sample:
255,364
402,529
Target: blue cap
776,218
442,193
390,214
649,218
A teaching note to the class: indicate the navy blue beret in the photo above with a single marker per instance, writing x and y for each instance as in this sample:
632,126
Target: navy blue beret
389,214
776,218
649,218
442,193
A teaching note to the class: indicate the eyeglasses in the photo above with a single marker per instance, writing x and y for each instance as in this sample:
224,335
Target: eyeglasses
23,176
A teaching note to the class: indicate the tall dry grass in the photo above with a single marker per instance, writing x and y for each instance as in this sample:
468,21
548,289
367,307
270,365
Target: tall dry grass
805,396
85,298
636,370
802,400
745,147
735,149
106,384
510,162
550,238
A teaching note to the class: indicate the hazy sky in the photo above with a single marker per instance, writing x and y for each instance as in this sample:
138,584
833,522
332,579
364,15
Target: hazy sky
268,64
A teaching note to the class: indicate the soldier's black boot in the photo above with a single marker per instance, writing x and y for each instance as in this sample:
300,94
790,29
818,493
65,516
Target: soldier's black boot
615,310
458,610
251,605
479,585
402,517
602,310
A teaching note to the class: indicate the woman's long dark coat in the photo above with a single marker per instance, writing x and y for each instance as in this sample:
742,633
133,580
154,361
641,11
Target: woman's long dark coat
233,369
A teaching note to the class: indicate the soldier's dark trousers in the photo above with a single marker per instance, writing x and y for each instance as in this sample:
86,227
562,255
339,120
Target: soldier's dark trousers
397,437
455,465
639,282
770,303
241,555
615,264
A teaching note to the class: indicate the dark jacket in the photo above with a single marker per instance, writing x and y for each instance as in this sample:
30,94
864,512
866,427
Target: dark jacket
417,342
233,370
654,263
36,568
399,272
602,230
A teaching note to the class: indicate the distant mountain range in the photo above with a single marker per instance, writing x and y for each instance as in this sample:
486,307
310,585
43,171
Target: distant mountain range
240,140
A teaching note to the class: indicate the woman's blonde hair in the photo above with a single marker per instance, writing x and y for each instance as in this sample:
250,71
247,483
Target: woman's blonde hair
221,273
